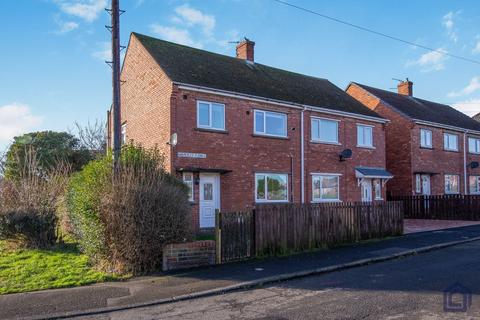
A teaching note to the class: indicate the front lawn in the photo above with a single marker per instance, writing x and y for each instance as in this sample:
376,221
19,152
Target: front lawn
24,270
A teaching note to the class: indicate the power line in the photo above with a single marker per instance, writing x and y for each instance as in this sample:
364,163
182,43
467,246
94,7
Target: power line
377,32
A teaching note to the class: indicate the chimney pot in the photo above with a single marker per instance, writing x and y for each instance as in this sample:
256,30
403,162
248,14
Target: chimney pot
405,88
245,50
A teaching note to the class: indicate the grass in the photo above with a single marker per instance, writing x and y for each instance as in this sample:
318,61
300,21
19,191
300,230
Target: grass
23,270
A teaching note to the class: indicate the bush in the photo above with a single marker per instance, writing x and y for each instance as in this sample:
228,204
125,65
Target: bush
83,201
28,203
128,217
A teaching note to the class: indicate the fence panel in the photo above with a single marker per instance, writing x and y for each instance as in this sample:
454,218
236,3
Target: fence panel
237,235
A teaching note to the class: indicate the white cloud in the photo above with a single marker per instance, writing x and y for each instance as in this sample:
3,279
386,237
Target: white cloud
193,17
469,107
448,21
87,10
104,51
65,26
15,119
174,34
473,86
430,61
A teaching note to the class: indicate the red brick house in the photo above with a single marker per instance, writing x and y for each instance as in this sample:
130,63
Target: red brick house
431,148
247,133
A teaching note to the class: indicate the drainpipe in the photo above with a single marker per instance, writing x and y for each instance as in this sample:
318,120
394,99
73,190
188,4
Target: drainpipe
302,157
465,162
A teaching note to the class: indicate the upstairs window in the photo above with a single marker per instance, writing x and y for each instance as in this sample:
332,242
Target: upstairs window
474,145
210,115
425,138
452,183
450,142
364,136
270,123
324,130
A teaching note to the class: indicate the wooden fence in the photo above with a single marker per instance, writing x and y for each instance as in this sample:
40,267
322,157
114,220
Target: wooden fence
276,229
442,207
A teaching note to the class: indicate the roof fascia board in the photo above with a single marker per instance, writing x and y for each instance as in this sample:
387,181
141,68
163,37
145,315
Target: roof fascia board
445,126
277,102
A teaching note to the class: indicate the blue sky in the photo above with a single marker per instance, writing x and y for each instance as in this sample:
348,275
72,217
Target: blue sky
53,74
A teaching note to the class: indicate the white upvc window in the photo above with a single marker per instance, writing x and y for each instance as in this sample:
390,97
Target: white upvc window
364,136
210,115
270,123
426,138
188,180
474,184
377,186
474,145
325,187
450,142
271,187
124,134
325,130
452,183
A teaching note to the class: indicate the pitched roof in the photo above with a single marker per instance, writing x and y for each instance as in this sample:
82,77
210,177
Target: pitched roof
476,117
202,68
425,110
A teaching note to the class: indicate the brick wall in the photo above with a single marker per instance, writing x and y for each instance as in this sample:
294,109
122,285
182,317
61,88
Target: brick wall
188,255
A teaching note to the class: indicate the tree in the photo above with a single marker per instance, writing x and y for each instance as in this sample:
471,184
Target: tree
92,136
51,149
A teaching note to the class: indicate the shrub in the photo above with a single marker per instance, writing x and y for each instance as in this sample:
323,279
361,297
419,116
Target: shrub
28,203
146,209
83,206
126,218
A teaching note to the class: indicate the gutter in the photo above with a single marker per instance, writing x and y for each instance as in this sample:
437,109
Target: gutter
465,162
302,157
445,126
293,105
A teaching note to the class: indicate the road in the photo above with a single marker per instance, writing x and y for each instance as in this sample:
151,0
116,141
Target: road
409,288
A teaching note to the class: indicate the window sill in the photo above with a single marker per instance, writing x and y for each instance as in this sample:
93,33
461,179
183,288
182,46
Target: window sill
366,147
256,135
270,202
211,130
426,148
474,153
451,150
326,201
325,142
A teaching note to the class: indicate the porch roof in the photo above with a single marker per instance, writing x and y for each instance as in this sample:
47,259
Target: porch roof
371,172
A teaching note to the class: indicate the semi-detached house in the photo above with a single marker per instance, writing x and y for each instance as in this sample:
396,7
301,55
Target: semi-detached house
249,134
432,149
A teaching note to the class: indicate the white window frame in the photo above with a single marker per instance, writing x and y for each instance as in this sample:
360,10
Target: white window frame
321,176
319,139
124,134
477,178
265,174
445,187
210,125
265,112
364,127
477,145
446,141
424,133
192,197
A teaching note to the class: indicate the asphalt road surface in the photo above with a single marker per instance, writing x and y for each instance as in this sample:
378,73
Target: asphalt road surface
409,288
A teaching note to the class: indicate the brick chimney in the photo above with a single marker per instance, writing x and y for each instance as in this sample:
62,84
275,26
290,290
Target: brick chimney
245,50
405,88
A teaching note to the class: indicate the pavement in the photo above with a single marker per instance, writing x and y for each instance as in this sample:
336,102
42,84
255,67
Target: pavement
401,289
144,291
421,225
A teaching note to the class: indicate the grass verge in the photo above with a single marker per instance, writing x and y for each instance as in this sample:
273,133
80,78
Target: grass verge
23,270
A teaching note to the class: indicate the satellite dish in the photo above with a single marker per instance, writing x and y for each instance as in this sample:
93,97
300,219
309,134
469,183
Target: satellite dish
345,154
173,140
473,164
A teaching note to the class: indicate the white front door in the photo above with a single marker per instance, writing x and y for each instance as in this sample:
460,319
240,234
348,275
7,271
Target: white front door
426,185
209,198
367,190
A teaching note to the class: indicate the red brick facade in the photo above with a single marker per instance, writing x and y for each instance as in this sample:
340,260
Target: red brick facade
153,108
405,156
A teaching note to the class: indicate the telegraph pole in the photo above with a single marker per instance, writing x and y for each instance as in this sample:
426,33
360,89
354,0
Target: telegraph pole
117,119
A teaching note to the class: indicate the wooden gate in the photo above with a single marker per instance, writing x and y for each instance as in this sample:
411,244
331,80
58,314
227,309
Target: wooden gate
236,232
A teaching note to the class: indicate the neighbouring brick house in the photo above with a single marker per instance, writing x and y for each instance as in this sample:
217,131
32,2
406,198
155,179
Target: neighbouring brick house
431,148
248,133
